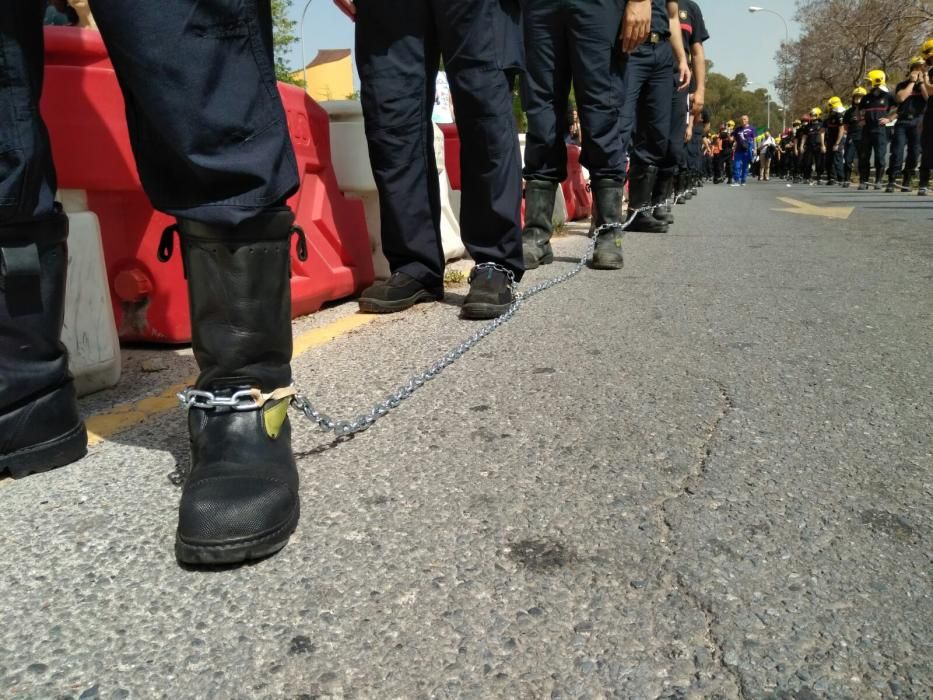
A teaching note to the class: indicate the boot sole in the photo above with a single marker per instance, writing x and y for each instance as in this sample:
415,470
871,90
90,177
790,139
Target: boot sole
236,552
379,306
535,263
483,312
65,449
598,265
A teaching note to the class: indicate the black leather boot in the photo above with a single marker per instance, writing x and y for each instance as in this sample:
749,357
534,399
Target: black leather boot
240,498
607,210
640,186
680,188
539,214
661,198
39,424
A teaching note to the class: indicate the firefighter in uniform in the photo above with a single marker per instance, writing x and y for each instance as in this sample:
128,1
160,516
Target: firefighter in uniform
926,156
835,140
853,129
680,170
803,125
647,93
814,147
911,96
571,42
788,154
213,150
876,109
398,48
723,166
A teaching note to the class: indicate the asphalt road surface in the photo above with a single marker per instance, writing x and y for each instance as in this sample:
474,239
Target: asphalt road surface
708,475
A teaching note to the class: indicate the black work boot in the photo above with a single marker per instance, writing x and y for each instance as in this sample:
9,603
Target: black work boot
240,498
640,187
40,428
923,186
539,213
879,177
891,187
661,198
399,292
607,224
491,292
905,182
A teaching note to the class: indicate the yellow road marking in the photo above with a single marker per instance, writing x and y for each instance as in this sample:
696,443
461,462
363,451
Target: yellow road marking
807,209
127,415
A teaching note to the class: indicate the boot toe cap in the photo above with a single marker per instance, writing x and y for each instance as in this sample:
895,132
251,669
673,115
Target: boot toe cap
236,511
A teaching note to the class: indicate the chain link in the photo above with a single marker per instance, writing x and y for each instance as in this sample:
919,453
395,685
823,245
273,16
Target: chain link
364,421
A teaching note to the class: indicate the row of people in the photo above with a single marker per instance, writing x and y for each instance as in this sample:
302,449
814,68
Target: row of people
212,148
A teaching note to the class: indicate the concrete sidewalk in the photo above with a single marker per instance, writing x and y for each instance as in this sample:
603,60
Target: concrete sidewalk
709,475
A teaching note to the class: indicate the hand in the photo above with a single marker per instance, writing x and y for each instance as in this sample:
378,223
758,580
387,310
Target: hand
699,101
347,7
636,24
883,121
683,75
688,134
822,149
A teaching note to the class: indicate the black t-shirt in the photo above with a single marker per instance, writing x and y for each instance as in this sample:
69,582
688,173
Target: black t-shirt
659,20
812,130
801,130
787,143
914,105
834,122
693,29
874,106
853,127
725,141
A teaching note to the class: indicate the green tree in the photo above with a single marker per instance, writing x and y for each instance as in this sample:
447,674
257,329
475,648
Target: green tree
283,39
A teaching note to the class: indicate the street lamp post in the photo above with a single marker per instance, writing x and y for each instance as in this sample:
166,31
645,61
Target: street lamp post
753,9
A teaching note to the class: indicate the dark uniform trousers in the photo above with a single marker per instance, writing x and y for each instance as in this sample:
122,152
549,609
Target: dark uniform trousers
906,138
564,41
398,47
874,141
647,94
852,148
926,146
678,156
206,123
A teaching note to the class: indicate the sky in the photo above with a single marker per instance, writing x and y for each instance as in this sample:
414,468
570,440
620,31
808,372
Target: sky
740,42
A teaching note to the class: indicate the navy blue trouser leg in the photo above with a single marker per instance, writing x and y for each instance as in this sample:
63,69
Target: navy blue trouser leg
564,41
27,176
678,156
647,91
398,46
906,142
207,126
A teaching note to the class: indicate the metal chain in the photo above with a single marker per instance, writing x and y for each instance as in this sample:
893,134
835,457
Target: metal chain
364,421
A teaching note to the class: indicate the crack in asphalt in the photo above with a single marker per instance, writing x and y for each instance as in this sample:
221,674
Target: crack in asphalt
675,580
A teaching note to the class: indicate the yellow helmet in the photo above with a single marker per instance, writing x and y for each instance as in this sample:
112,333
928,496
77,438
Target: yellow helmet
876,77
916,61
927,49
816,112
834,102
798,123
730,124
859,91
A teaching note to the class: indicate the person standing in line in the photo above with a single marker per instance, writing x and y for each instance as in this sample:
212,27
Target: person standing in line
581,43
813,147
744,136
852,124
399,44
876,110
911,96
727,146
212,148
788,154
834,140
926,156
766,153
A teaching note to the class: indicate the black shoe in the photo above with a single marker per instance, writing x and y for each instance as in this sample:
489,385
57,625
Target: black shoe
863,186
490,292
40,428
890,188
397,293
240,498
539,212
922,191
662,196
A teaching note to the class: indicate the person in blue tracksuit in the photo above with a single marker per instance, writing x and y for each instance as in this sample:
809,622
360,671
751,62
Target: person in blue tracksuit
744,137
212,148
399,44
